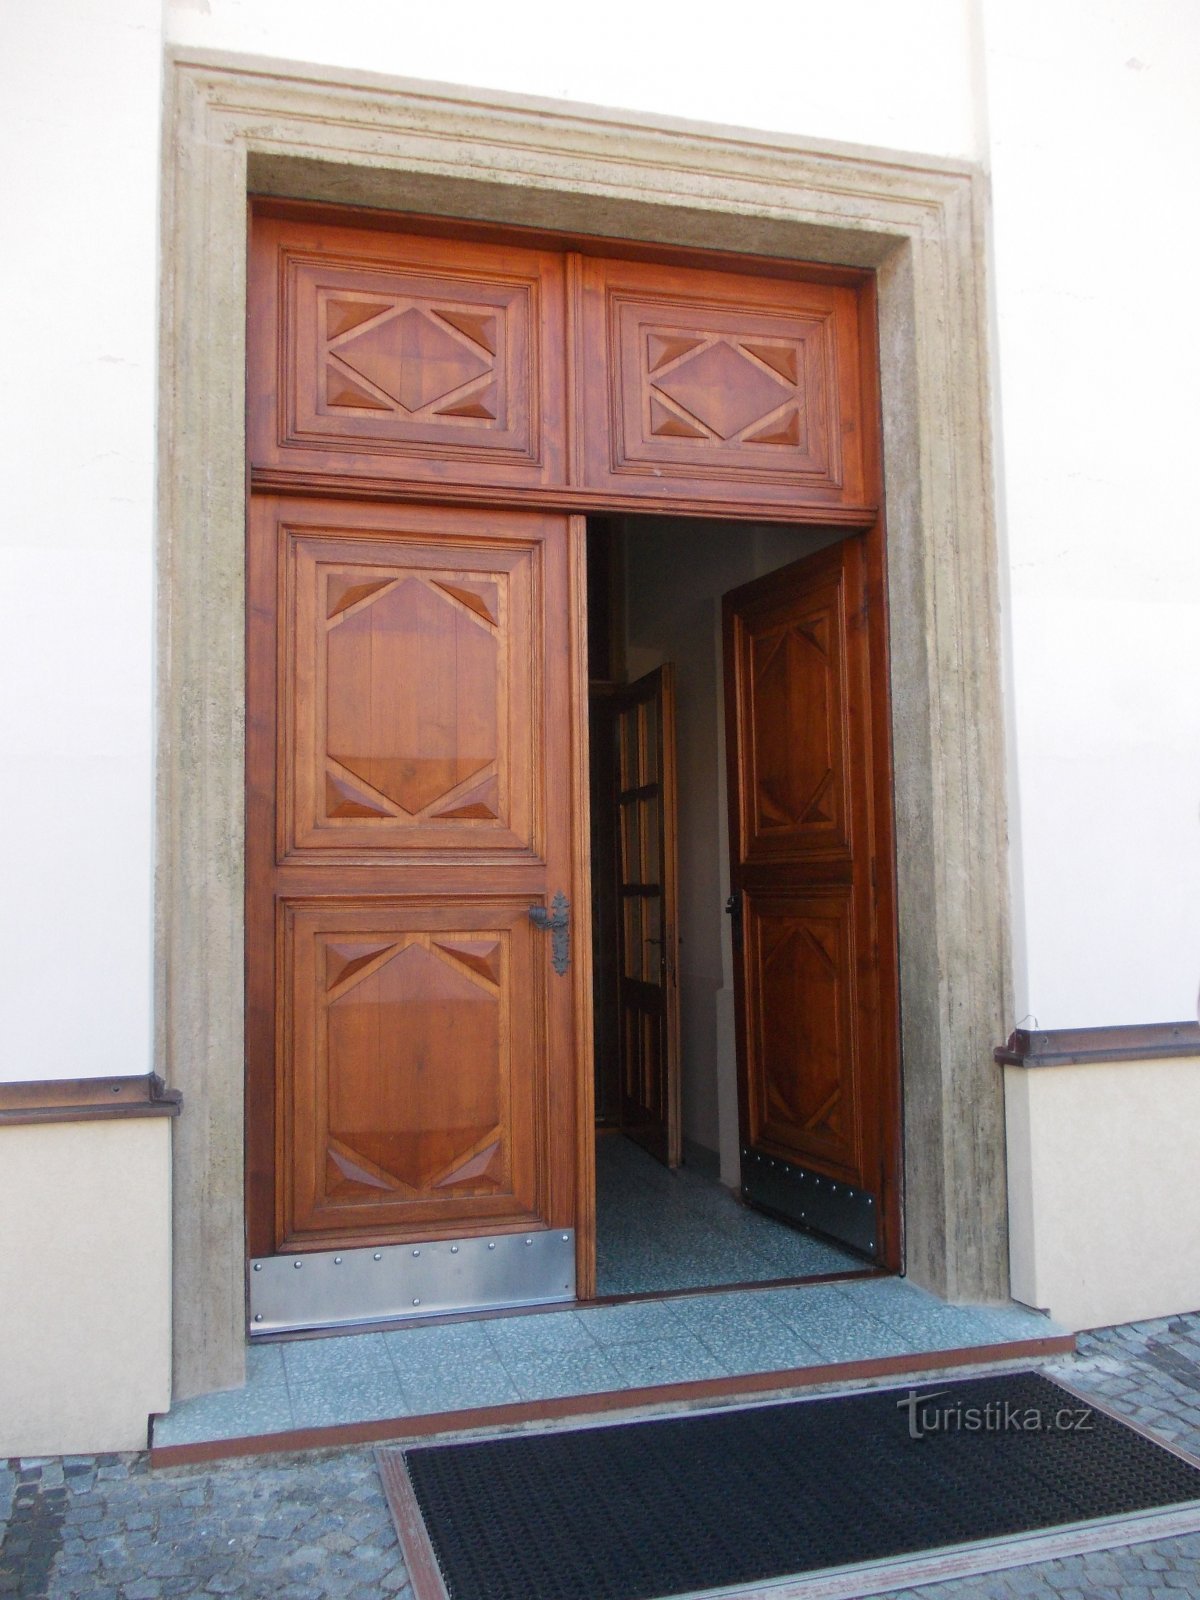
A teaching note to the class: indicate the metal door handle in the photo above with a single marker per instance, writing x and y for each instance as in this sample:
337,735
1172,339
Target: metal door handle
558,921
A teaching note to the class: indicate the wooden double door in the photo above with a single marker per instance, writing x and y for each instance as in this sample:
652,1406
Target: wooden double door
430,419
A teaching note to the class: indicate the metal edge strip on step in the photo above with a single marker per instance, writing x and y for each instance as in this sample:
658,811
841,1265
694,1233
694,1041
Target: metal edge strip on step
328,1288
595,1409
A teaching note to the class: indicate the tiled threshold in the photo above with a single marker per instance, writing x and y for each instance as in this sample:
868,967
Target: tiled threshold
362,1387
662,1230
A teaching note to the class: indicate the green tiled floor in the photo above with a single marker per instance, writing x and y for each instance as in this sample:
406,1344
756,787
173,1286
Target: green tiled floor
357,1377
658,1230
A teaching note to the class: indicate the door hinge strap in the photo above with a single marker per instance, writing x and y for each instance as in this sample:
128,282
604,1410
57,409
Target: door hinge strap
558,921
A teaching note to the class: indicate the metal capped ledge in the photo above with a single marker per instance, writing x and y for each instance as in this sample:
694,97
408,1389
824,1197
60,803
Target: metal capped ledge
328,1288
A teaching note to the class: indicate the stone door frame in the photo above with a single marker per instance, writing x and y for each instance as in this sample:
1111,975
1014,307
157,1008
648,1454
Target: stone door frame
238,125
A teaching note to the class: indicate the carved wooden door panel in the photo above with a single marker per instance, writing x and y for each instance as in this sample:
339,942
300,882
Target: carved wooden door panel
404,357
412,1043
810,870
648,986
719,388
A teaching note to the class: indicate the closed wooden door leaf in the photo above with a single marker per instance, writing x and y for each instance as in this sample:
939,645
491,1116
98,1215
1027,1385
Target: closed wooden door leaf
406,753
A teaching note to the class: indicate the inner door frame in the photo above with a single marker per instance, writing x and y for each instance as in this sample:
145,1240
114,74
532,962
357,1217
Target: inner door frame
236,126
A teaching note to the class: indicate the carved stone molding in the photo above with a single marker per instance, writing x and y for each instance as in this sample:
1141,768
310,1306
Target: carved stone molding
240,125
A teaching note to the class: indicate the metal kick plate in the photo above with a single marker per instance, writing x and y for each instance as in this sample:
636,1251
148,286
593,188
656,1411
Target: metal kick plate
327,1288
813,1200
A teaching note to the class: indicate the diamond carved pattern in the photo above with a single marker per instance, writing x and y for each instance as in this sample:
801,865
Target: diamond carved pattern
718,388
723,389
407,357
723,386
412,668
344,799
480,802
479,955
803,1079
407,684
342,315
405,1116
341,390
345,962
481,598
795,732
412,358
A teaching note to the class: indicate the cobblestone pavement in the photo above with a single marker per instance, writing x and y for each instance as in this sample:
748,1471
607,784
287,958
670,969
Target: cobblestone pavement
317,1527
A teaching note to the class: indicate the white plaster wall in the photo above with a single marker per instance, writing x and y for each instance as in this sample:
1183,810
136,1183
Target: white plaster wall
888,72
79,125
1104,1210
1095,146
85,1284
1085,112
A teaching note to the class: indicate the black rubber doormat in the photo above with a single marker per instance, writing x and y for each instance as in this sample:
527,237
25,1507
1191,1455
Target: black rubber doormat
838,1496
